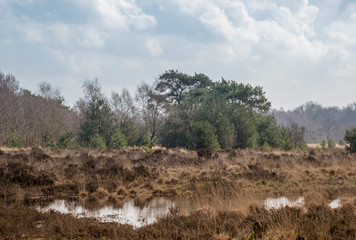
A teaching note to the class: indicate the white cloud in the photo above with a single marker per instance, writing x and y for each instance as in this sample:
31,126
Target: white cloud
33,33
278,44
78,62
113,14
153,46
119,14
343,32
218,21
68,35
283,30
25,2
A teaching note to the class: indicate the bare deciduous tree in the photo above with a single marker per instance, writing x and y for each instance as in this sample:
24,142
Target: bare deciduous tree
123,105
38,119
151,109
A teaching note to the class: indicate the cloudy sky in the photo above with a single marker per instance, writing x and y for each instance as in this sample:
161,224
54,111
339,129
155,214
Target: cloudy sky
297,50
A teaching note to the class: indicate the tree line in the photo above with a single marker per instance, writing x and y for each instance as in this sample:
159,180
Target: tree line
322,124
27,119
176,110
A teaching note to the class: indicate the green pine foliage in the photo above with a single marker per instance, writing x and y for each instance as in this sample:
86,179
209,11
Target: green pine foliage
16,141
331,143
175,129
269,131
246,132
296,134
67,140
286,139
97,142
134,133
203,135
237,111
350,139
323,144
98,121
118,140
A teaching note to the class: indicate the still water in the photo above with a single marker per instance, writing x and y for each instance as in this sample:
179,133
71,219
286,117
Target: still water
276,203
129,213
138,216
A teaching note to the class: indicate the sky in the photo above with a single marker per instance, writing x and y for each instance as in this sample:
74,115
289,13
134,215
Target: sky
298,50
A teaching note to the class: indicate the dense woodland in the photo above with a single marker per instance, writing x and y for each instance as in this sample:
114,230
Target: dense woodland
177,110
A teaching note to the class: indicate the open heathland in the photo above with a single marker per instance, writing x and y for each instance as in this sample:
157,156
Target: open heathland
32,176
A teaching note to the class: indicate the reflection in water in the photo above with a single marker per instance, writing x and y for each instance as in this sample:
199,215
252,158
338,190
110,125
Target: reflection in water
276,203
127,214
335,204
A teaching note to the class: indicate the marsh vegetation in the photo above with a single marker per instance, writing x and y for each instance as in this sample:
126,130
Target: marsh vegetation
224,194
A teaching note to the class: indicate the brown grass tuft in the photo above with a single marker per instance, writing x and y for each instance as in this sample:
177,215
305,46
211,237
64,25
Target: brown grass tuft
83,194
101,193
121,193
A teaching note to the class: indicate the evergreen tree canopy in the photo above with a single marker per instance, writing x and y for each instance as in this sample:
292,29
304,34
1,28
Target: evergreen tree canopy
350,139
173,85
98,117
203,135
98,120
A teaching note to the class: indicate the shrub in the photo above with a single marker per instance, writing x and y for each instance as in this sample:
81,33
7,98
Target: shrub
266,147
118,140
97,142
323,144
331,143
350,139
297,136
66,140
202,135
16,141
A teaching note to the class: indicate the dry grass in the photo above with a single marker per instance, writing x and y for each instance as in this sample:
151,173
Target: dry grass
174,171
31,175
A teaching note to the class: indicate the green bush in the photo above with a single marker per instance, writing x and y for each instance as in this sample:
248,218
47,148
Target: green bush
266,147
97,142
66,140
323,144
16,141
118,140
297,134
203,135
331,143
350,139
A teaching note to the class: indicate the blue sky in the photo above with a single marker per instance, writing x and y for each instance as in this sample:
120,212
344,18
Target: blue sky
297,50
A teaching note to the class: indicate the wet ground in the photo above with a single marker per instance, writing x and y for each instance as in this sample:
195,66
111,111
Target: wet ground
138,216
